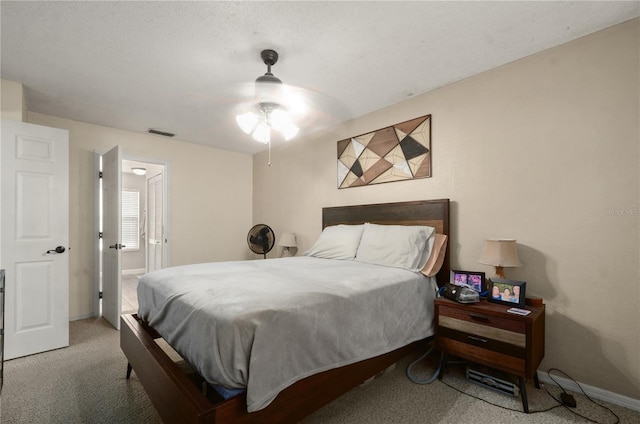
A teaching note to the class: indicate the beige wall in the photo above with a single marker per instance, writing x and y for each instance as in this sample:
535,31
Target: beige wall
13,103
544,150
209,199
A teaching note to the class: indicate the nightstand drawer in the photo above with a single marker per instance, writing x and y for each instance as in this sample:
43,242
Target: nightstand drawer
483,331
483,342
480,318
486,357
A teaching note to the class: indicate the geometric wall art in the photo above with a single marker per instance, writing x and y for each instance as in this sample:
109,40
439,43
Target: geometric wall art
396,153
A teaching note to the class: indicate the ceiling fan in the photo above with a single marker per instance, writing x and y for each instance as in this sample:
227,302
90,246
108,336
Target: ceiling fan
284,108
271,109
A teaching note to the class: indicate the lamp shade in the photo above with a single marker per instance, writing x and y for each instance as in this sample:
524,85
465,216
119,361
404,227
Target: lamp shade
287,240
500,253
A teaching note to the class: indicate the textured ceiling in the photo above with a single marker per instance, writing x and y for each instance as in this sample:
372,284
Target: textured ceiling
180,66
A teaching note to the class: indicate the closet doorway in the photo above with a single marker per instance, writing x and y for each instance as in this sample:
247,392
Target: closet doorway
142,223
139,187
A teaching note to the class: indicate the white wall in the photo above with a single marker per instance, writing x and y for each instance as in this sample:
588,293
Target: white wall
544,150
210,204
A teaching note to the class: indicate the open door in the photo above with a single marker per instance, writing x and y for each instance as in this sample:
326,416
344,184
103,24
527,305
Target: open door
35,237
111,239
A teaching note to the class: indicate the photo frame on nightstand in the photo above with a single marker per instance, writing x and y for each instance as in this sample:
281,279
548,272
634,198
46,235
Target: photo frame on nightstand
473,279
507,292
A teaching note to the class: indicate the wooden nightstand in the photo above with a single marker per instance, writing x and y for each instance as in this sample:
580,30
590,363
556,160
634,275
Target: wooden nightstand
485,333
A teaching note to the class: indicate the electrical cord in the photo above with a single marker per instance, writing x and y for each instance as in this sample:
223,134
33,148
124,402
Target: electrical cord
495,404
559,402
583,392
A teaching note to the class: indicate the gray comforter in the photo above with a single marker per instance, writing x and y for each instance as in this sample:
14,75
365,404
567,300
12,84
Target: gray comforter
265,324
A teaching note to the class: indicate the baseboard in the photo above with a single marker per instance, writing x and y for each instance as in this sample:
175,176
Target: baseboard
79,317
593,392
133,271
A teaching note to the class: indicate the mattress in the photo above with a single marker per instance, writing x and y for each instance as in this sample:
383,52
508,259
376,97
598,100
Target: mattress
265,324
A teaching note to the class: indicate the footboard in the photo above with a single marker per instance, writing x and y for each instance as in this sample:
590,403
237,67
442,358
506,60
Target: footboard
178,399
174,395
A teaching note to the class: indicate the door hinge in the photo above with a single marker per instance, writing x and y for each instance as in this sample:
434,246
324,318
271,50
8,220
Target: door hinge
100,235
99,174
99,295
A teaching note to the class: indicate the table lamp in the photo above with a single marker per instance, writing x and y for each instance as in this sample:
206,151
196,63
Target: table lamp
287,241
500,253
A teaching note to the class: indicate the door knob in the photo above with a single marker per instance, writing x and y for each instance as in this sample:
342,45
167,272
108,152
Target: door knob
59,249
117,246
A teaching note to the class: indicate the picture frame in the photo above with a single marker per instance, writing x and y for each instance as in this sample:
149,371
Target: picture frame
474,279
507,292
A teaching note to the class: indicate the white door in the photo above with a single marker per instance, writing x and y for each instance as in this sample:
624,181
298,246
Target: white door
155,227
111,239
35,237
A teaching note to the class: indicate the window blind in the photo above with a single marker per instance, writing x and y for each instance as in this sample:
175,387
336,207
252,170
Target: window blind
131,219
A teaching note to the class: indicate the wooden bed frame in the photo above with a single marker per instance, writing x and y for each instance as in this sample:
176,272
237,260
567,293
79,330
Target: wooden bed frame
178,398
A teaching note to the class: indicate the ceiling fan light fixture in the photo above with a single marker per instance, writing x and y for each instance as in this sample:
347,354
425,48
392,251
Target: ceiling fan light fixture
247,121
262,133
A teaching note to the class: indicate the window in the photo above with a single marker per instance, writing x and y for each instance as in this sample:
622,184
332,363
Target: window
131,219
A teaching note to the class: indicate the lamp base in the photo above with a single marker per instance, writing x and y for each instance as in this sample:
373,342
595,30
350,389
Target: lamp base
286,252
500,272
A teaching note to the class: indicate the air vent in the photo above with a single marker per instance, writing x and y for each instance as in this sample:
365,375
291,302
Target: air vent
162,133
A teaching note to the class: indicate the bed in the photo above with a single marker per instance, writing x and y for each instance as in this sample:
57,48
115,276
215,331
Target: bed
178,399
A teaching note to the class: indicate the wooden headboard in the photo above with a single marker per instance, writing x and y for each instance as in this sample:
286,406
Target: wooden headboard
434,213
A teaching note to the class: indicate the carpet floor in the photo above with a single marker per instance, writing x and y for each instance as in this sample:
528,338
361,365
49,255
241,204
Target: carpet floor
85,384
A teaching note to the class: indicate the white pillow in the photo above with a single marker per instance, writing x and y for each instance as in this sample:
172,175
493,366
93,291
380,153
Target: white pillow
400,246
337,242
